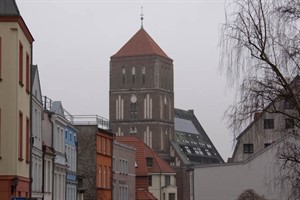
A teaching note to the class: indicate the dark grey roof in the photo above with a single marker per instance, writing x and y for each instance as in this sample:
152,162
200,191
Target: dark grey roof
34,70
9,8
191,141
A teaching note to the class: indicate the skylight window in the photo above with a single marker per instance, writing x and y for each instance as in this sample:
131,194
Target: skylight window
188,149
207,152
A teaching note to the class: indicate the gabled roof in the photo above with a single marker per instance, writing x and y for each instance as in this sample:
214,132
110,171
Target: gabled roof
142,194
143,151
9,8
140,44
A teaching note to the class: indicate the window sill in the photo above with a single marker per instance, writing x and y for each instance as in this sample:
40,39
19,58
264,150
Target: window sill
27,162
21,84
20,159
27,91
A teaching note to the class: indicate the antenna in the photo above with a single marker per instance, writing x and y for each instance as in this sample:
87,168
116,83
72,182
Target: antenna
142,16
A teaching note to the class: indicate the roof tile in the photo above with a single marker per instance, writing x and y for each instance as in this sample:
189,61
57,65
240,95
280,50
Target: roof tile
140,44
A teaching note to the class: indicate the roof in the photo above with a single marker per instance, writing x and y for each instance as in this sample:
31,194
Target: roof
143,151
142,194
9,8
140,44
191,142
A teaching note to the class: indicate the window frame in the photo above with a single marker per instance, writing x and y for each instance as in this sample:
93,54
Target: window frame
248,148
269,123
289,123
21,64
27,73
20,153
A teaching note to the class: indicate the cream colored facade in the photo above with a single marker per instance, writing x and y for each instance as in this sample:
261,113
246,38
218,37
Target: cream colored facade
161,189
14,99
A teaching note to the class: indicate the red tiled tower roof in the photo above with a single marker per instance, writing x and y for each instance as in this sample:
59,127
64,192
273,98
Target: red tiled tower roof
140,44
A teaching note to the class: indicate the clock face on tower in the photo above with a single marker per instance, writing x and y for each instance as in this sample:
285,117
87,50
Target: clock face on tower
133,98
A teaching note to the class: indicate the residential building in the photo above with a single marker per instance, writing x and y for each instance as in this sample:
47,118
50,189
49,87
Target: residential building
190,147
153,175
123,171
71,154
256,162
48,154
15,84
141,97
36,130
262,172
95,155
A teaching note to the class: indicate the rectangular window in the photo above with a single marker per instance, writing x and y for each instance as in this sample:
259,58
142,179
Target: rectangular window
20,136
149,180
171,196
0,132
27,139
27,73
268,123
248,148
149,162
288,104
167,180
21,64
289,123
108,147
267,144
0,58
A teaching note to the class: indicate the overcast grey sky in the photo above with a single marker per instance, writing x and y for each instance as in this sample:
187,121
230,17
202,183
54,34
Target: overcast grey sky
75,39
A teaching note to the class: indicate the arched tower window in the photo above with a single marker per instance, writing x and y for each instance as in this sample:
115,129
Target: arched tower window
143,75
123,75
133,75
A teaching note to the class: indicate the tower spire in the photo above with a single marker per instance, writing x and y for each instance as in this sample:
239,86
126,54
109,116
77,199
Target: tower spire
142,17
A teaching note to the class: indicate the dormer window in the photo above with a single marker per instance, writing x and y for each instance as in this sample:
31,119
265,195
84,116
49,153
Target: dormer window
149,161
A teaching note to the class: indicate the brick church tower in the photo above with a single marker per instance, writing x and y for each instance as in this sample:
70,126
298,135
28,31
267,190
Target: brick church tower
141,96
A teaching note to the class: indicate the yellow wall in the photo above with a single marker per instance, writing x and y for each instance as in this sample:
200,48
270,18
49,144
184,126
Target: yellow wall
13,98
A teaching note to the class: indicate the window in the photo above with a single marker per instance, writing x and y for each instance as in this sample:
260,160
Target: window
288,104
0,58
27,73
21,64
248,148
133,75
149,162
143,76
133,130
171,196
149,180
268,123
267,144
167,180
207,152
108,147
100,179
0,131
20,136
27,139
123,75
289,123
133,110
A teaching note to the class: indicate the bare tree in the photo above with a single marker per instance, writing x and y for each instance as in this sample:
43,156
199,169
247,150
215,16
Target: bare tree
250,195
261,52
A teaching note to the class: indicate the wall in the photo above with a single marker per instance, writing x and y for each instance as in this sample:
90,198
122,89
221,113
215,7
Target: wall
228,181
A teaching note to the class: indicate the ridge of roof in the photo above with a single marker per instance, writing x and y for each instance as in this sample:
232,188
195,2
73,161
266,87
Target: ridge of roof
9,8
141,43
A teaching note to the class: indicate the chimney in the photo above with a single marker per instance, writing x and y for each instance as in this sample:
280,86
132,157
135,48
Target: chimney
256,115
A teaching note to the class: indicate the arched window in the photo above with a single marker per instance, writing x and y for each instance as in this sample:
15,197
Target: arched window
133,75
143,75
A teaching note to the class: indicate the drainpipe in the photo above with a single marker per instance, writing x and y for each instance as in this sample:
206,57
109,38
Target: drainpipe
30,129
52,146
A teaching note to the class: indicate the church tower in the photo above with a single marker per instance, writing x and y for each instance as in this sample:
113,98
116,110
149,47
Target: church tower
141,92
